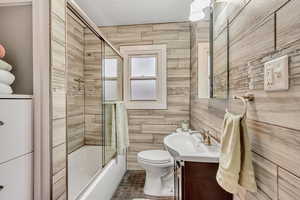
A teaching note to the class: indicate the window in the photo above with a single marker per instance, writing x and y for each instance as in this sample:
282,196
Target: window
145,84
143,78
203,70
111,79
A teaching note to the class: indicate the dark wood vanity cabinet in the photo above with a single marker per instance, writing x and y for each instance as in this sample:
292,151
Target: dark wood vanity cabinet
197,181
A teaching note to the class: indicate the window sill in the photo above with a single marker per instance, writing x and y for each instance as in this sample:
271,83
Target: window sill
145,106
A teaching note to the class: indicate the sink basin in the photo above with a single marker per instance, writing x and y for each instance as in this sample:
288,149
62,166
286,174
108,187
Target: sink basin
188,147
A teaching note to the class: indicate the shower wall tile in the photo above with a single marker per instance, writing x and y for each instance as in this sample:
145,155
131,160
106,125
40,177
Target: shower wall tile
58,51
58,105
75,83
93,138
63,196
59,136
148,127
75,131
58,81
59,185
58,33
58,93
93,89
58,8
59,158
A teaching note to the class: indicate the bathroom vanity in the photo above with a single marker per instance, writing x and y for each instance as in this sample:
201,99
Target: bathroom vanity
195,168
197,181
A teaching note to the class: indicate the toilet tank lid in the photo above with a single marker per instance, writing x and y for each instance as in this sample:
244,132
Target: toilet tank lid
155,156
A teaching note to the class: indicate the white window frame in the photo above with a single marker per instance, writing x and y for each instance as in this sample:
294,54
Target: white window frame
118,78
160,51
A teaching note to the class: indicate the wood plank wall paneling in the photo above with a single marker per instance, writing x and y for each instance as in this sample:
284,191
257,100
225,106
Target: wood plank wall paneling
75,90
260,31
84,100
220,65
289,185
58,93
266,176
93,89
226,12
288,25
148,127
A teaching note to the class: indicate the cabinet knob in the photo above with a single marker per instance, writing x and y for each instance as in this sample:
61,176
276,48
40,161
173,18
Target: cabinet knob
1,124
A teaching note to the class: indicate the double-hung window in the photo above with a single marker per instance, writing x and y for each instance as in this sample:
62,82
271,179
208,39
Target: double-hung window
145,68
112,79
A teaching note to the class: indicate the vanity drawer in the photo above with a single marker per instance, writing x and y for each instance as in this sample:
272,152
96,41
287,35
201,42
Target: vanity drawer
16,128
16,179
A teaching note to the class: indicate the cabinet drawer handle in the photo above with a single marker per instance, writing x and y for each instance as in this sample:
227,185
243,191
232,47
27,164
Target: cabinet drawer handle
1,124
1,187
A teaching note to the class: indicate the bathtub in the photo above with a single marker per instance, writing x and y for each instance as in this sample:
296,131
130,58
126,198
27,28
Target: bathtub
95,183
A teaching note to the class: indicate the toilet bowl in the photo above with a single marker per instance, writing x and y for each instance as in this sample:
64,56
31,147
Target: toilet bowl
158,165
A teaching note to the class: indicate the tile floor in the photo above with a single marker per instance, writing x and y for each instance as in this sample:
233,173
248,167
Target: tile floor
131,187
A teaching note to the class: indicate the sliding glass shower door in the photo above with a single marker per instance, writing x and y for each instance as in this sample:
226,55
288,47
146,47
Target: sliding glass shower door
84,105
94,85
112,63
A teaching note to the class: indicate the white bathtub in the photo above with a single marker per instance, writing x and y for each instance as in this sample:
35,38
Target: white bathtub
104,182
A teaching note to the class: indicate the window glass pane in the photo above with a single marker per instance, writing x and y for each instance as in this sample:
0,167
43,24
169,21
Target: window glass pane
143,66
143,90
111,67
111,90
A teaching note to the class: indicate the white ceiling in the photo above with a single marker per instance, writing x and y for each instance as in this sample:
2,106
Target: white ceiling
124,12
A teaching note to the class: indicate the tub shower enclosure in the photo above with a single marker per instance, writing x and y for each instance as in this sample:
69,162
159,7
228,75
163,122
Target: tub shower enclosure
94,78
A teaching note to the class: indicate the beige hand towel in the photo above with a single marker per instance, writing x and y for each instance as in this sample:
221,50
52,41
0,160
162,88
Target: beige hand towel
122,127
116,126
110,127
235,167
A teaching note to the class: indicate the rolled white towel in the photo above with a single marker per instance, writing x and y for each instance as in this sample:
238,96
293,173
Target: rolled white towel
6,77
5,66
5,89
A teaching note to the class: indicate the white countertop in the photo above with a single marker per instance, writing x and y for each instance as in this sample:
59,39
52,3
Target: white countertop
188,147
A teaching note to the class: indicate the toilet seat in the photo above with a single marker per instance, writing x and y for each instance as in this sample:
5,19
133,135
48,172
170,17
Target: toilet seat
155,157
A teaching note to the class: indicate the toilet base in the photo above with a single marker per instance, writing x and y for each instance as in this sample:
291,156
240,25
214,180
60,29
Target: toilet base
163,186
159,166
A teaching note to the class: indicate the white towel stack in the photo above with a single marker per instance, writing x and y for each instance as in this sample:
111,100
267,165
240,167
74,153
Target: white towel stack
6,78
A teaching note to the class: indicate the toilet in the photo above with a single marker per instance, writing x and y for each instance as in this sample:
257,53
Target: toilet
158,165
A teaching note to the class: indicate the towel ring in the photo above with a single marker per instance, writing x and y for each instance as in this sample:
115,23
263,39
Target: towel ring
245,99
